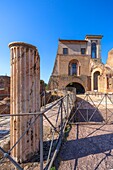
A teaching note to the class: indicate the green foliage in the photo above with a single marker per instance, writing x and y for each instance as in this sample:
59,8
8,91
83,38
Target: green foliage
53,168
66,132
43,84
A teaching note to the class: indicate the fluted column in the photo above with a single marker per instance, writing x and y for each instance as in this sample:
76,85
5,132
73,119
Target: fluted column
25,98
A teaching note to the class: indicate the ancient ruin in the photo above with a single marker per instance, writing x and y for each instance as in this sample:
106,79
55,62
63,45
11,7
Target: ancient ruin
79,64
4,87
24,98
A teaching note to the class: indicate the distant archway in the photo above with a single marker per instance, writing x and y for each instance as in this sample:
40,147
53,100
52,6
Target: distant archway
95,80
79,88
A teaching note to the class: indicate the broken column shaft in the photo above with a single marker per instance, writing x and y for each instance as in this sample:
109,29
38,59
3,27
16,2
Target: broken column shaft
24,98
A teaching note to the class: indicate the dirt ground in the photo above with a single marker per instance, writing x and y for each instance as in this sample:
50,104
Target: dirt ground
88,147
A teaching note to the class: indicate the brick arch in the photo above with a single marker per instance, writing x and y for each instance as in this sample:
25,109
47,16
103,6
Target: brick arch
75,80
79,87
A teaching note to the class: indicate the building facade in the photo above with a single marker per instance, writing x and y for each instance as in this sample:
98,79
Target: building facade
78,64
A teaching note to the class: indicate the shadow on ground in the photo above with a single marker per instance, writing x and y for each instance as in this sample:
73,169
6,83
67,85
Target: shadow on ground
85,112
3,133
75,149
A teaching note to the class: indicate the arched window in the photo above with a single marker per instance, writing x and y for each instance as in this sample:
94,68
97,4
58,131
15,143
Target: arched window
74,68
93,50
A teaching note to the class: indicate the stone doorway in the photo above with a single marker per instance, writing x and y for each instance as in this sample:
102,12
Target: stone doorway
79,88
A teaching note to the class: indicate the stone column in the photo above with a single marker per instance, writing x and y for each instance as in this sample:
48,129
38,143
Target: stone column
24,98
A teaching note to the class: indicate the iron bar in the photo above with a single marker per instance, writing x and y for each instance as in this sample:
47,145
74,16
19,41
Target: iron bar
67,100
92,101
6,155
110,99
61,117
23,134
64,107
4,109
77,108
58,114
50,149
82,115
55,153
41,142
96,109
87,109
36,113
106,105
50,123
61,110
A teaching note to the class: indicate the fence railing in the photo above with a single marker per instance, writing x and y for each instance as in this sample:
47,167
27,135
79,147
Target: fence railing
94,108
53,119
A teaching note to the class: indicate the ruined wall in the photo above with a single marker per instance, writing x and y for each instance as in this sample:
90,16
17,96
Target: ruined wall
4,87
53,82
102,84
110,58
60,82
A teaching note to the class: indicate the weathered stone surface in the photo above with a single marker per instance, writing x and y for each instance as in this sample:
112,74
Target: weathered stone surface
5,106
4,87
24,98
110,58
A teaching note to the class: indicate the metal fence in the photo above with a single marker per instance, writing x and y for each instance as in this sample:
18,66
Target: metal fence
54,116
93,108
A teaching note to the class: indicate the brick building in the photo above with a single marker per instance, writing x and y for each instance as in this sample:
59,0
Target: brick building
78,64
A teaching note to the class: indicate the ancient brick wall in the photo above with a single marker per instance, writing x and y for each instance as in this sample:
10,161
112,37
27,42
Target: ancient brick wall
4,87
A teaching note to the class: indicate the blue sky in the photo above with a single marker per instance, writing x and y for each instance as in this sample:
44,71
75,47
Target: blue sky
43,22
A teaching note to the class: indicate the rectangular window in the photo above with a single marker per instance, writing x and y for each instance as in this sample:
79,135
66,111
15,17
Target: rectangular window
83,51
65,51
